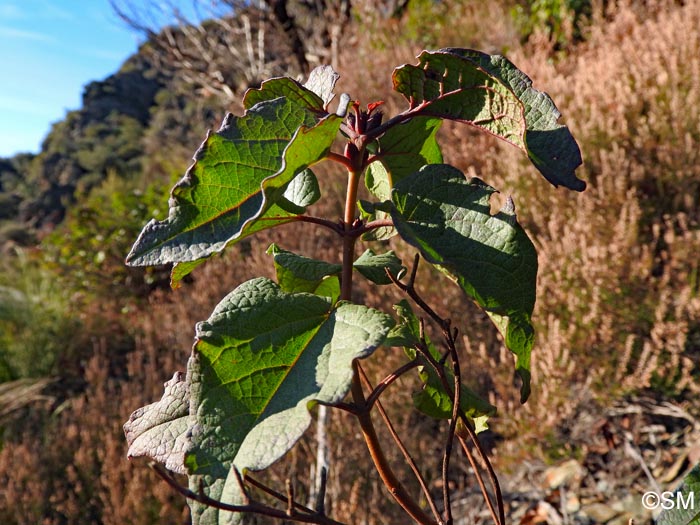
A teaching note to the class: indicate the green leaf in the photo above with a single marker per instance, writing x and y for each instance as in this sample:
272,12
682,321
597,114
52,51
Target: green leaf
373,266
315,95
284,87
261,360
433,400
378,183
489,92
301,192
233,189
491,257
296,273
406,147
680,514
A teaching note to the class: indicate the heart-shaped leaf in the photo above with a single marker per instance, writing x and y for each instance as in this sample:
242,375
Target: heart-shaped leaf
260,362
489,92
238,184
491,257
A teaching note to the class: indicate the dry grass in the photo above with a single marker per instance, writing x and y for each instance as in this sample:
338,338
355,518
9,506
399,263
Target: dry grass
618,306
618,299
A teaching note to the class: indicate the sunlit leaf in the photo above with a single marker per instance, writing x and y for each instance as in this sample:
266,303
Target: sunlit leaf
260,362
159,430
239,182
489,92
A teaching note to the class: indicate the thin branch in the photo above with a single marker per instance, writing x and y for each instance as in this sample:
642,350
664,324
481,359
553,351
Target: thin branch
499,517
450,336
397,119
497,513
320,222
251,507
290,497
373,225
291,513
321,496
388,380
277,495
406,454
341,159
381,463
347,407
241,484
410,290
456,404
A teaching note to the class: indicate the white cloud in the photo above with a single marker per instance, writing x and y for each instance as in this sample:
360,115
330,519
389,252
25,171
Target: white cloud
22,34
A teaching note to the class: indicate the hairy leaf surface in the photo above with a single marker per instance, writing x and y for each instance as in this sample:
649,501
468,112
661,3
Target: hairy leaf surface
159,430
238,183
260,362
489,92
491,258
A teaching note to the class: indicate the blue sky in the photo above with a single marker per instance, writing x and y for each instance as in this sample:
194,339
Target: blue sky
49,49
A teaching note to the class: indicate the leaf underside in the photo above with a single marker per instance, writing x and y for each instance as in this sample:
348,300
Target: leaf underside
489,92
259,363
491,258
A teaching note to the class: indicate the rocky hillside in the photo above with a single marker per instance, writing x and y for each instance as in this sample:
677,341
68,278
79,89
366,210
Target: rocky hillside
104,136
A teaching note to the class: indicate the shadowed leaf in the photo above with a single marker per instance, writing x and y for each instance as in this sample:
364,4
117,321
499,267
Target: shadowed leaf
491,258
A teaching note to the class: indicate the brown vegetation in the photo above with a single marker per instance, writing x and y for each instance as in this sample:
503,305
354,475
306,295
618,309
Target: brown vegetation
618,307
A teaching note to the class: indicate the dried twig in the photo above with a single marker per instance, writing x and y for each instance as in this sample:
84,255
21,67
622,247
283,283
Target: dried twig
250,506
497,510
